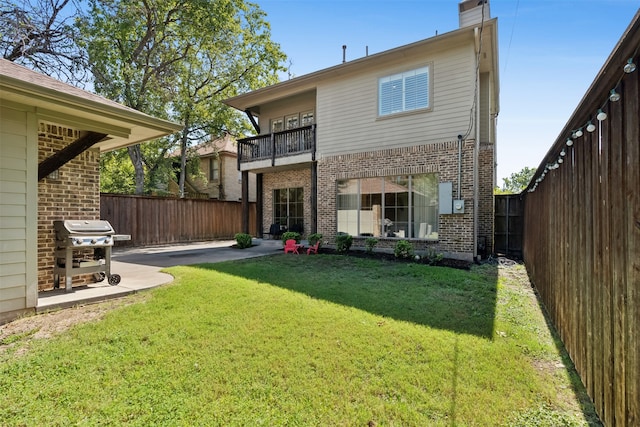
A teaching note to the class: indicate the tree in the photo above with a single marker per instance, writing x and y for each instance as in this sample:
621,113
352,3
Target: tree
177,59
517,181
41,34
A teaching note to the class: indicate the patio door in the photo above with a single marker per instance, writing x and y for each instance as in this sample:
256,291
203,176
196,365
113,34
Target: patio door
288,208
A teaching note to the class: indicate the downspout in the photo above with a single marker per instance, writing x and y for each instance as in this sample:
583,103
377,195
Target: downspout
460,137
476,147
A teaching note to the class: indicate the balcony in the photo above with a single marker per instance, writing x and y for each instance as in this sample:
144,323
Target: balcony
289,146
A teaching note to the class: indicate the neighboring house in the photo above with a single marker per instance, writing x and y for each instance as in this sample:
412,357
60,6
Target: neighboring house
51,137
396,145
220,178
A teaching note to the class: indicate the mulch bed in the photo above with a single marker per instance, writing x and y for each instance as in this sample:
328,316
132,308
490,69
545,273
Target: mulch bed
445,262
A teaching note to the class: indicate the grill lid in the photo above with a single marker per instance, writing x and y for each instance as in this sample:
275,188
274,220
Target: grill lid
76,226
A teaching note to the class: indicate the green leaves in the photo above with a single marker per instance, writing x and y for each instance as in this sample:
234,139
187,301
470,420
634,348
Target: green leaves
517,182
178,59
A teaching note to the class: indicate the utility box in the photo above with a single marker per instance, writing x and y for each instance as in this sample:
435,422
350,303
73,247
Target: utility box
458,206
445,193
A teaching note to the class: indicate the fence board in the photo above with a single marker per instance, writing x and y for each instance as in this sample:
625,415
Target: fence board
160,220
631,183
617,255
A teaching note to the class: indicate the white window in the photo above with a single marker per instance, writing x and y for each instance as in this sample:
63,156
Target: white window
403,91
277,125
292,121
307,118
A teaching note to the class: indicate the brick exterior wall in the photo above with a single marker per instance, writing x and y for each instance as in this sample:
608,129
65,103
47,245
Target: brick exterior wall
73,194
486,204
286,179
455,231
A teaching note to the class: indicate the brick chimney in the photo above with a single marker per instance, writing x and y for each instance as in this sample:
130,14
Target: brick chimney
471,11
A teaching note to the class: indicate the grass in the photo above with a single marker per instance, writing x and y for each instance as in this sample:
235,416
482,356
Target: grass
306,341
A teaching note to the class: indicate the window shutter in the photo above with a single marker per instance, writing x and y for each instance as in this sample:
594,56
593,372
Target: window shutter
417,91
390,96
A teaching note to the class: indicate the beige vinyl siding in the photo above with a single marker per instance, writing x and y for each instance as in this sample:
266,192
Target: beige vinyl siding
18,196
485,117
279,109
350,105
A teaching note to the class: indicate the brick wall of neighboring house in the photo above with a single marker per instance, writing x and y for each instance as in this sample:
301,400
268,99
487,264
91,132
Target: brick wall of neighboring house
455,231
281,180
73,194
486,203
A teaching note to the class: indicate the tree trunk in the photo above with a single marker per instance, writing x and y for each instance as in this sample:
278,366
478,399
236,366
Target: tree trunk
183,162
136,158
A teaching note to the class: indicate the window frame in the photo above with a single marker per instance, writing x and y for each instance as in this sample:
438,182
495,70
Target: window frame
291,199
274,122
385,219
214,169
291,118
403,76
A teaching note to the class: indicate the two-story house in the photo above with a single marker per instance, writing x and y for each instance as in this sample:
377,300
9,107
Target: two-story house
395,145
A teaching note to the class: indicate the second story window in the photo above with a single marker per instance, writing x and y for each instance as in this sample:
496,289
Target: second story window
307,118
403,91
214,169
292,121
277,125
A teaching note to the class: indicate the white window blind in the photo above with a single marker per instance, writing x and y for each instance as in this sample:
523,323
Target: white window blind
404,91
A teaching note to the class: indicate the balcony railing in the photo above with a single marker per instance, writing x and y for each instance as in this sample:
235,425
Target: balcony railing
278,144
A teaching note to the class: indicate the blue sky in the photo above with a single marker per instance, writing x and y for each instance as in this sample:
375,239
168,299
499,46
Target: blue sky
550,52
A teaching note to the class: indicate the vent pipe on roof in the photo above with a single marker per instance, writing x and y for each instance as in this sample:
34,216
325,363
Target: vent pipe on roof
344,53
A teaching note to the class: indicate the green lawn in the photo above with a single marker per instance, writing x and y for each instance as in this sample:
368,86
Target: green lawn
304,340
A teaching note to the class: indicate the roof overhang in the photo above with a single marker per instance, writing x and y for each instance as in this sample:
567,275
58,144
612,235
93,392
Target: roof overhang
62,104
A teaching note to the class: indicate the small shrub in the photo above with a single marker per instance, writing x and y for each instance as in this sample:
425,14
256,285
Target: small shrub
403,249
370,243
243,240
313,238
432,257
343,242
287,235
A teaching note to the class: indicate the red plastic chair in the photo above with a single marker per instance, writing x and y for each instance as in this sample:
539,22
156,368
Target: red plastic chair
313,248
291,246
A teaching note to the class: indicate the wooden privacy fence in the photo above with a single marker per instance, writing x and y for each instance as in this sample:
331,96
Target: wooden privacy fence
163,220
509,213
582,236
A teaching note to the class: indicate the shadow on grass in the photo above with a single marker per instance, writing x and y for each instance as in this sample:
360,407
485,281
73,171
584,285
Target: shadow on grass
438,297
586,404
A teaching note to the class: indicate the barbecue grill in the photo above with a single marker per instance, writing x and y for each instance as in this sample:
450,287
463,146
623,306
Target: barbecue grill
72,238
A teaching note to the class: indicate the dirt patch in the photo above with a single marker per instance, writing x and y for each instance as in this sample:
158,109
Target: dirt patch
16,336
